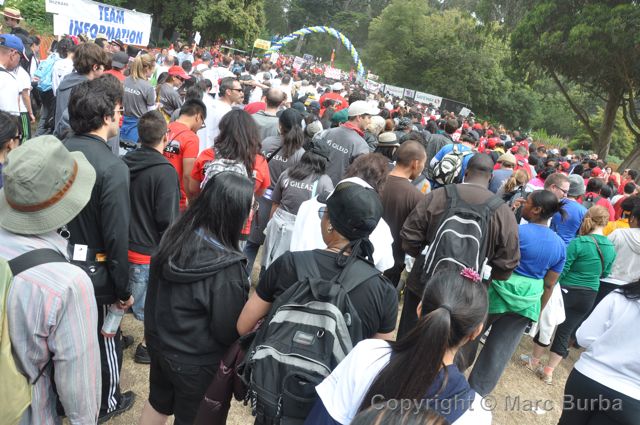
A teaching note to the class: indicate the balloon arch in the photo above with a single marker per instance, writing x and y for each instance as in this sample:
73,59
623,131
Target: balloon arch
321,29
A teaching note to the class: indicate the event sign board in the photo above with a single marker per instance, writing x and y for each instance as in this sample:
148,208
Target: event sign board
298,62
372,86
394,90
75,17
308,58
262,44
333,73
428,98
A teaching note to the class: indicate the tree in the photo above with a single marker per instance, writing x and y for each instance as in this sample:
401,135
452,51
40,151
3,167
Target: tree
450,54
589,43
622,140
239,19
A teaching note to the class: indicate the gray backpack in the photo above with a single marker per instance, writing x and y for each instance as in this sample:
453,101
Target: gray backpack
311,327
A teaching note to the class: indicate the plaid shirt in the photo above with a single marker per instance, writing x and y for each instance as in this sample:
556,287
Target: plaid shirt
51,311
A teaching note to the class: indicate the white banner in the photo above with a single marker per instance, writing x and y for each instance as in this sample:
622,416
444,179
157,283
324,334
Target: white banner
333,73
372,86
76,17
409,93
394,90
297,63
428,98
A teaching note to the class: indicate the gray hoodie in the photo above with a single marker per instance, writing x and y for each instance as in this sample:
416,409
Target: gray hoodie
626,268
62,126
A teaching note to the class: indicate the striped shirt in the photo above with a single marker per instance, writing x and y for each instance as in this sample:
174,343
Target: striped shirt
51,311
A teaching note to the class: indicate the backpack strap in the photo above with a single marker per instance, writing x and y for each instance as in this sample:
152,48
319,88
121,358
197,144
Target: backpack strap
32,259
356,271
452,195
305,264
274,153
35,258
595,241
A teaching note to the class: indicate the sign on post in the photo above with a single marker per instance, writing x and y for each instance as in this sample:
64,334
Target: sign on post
75,17
297,63
428,98
262,44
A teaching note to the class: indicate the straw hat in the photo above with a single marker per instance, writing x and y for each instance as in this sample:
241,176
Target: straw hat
12,13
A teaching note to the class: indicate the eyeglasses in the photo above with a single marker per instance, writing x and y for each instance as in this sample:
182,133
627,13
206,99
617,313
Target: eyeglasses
321,212
119,110
236,89
561,190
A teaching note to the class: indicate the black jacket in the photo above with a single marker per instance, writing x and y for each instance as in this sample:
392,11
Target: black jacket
155,198
103,224
192,306
435,143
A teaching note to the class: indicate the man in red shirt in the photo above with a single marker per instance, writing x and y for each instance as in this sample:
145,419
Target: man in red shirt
183,146
119,63
341,102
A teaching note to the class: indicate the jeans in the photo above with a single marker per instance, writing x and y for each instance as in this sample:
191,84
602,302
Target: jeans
138,279
506,332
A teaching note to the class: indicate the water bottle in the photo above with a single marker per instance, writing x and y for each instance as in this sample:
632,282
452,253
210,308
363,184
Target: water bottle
112,321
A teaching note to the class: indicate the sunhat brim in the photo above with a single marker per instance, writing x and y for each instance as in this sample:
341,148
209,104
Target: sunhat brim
56,215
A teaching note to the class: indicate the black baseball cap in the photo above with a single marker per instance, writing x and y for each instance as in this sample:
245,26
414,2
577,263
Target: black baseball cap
354,210
319,147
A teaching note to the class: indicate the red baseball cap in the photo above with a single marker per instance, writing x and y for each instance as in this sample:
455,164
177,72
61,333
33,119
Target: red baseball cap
596,172
177,71
477,126
565,166
492,142
489,132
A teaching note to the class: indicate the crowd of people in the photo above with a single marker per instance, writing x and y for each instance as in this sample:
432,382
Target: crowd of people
156,180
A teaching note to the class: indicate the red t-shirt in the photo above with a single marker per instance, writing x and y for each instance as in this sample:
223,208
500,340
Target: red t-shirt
603,202
183,143
260,175
118,74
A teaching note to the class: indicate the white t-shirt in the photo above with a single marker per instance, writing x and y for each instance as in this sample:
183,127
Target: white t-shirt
343,391
24,81
204,134
611,357
60,70
9,92
307,234
214,115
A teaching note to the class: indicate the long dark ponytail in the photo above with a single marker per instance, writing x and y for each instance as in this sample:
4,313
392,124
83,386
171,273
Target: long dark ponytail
292,135
452,308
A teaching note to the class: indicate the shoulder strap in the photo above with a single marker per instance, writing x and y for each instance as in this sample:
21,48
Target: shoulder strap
452,195
595,241
356,272
35,258
315,189
305,265
270,157
494,203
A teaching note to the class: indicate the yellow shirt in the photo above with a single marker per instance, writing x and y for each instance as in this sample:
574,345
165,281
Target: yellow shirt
621,223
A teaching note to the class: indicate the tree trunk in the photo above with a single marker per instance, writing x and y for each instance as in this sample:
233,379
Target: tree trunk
609,119
633,160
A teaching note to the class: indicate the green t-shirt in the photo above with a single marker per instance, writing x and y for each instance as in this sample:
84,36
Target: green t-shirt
583,267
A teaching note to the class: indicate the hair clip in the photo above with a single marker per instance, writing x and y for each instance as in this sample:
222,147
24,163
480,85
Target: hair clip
471,274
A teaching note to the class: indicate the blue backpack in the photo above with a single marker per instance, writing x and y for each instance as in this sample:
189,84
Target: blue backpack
45,72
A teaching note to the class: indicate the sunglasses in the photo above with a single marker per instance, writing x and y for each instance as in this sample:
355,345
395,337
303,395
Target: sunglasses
321,212
561,189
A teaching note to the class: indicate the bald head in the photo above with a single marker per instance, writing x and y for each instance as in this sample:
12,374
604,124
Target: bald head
274,98
410,151
479,169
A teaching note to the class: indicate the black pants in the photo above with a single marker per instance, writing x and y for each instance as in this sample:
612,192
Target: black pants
587,402
47,112
577,304
111,362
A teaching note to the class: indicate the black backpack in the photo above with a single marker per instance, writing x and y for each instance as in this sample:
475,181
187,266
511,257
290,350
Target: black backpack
310,328
461,237
590,201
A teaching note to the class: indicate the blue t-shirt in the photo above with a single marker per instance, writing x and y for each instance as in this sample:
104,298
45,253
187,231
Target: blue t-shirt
568,229
461,148
541,249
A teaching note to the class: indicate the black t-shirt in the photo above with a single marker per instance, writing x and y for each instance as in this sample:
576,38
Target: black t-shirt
375,300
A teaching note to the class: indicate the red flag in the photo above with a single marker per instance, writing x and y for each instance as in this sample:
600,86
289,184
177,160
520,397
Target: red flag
333,56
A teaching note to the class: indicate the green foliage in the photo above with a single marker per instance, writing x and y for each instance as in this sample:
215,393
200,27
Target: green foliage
541,136
34,14
622,140
241,20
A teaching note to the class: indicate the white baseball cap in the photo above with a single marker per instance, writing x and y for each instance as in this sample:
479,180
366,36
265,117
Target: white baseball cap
362,107
337,86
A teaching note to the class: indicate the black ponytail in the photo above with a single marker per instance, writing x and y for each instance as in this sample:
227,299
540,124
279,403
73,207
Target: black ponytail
548,203
293,136
452,308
